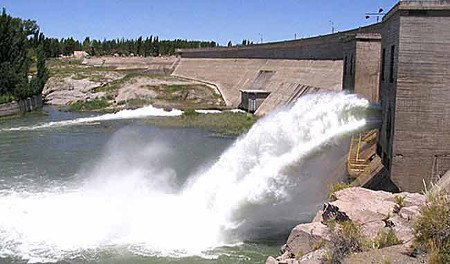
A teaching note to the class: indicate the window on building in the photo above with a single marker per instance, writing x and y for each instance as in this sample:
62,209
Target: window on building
383,64
391,66
345,65
351,65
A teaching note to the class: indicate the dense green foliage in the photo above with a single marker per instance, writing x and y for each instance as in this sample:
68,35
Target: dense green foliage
150,46
20,47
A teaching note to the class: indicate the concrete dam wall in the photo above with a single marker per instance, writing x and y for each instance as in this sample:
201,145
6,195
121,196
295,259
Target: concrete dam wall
327,47
285,79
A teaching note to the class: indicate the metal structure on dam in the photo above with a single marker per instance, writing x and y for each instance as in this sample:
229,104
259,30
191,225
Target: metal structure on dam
402,62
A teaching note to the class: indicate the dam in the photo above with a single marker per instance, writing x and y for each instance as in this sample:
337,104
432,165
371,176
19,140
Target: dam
402,63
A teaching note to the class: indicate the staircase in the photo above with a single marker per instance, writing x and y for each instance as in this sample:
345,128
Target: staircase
361,153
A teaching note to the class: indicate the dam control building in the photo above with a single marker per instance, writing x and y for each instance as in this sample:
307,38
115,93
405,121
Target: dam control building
403,63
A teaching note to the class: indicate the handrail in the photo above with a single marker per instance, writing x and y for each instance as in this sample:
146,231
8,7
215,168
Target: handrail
356,164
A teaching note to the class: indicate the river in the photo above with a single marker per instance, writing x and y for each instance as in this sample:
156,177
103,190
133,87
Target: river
113,189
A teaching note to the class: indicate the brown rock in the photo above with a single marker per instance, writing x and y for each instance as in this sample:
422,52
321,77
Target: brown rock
304,236
371,209
271,260
314,257
289,261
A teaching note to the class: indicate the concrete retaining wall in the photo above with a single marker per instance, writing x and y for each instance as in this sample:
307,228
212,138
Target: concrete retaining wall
285,79
21,106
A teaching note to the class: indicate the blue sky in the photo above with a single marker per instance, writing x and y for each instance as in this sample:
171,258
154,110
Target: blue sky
216,20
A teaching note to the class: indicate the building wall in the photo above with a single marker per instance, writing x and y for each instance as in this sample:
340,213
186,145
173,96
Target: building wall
362,65
389,38
422,128
367,67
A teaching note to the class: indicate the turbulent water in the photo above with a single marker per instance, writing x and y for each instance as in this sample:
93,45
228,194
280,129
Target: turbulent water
147,111
130,200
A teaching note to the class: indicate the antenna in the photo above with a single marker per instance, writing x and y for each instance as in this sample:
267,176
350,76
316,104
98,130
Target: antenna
377,14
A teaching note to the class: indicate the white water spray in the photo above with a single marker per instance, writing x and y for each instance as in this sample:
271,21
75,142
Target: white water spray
142,112
132,206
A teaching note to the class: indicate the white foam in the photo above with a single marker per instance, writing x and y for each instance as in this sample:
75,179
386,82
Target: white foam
128,204
200,111
146,111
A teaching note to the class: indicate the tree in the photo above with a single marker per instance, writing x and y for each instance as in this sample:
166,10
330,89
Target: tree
139,49
229,44
17,37
87,44
38,81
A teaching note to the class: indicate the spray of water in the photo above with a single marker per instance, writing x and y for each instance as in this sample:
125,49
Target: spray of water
143,112
120,205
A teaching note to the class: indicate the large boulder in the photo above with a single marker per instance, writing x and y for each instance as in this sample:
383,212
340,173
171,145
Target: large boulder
304,237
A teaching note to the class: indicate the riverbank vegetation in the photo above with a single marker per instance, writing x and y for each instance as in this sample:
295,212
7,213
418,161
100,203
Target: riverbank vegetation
226,123
432,228
22,58
92,105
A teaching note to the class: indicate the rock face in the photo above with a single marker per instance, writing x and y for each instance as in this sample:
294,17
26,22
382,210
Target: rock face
67,90
371,210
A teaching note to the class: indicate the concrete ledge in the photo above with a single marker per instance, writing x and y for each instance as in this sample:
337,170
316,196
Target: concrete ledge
22,106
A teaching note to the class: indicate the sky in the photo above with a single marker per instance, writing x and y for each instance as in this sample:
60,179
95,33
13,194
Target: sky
212,20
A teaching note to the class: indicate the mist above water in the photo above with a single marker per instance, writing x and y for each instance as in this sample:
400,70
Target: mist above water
130,198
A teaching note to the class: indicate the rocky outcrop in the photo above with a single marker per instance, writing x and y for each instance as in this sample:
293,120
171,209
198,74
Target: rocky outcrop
126,83
67,90
372,211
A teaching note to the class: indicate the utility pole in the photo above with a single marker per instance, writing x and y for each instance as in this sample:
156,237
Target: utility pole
332,26
377,14
261,37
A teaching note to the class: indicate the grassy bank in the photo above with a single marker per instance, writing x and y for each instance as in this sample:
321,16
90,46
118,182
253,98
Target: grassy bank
226,123
92,105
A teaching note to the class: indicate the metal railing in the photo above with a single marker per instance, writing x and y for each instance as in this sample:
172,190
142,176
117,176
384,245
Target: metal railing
355,163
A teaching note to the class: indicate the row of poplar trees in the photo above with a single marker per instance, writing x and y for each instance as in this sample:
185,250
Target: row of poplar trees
22,58
150,46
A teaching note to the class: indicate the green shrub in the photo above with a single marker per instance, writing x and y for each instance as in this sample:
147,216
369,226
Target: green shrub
432,228
95,104
399,203
318,244
345,238
171,88
226,123
385,238
337,187
6,98
190,112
